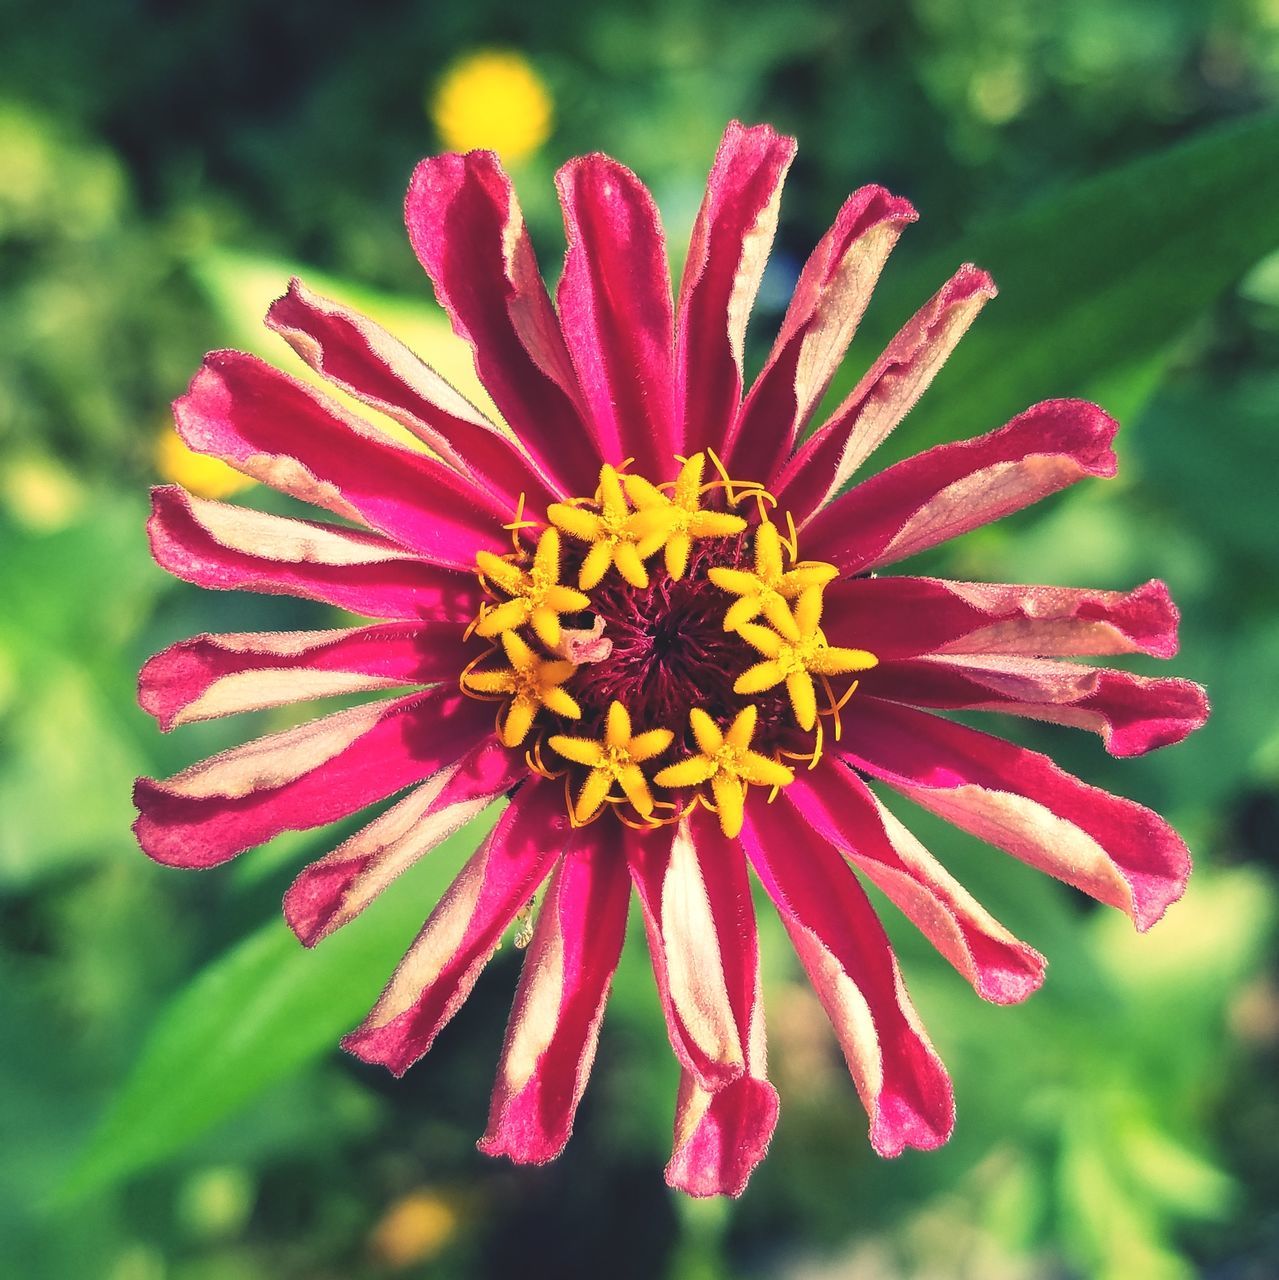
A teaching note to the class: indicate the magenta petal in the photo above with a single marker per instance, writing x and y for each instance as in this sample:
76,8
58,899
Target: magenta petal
839,806
303,777
720,1137
367,362
228,548
559,1006
909,617
615,308
335,889
1132,714
841,944
276,429
444,962
695,894
825,310
1020,801
468,233
726,255
221,675
953,488
887,393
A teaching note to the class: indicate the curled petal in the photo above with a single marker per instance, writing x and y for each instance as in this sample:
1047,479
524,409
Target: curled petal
701,934
334,890
726,256
468,232
615,306
953,488
365,361
555,1022
825,310
228,548
444,962
908,617
278,430
720,1137
220,675
303,777
1131,714
839,806
840,942
1114,850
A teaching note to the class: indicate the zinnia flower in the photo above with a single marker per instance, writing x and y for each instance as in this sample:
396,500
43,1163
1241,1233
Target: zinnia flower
652,616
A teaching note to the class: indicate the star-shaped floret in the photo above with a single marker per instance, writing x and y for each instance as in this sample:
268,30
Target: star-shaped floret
618,535
726,761
771,585
680,513
795,651
537,596
616,759
534,682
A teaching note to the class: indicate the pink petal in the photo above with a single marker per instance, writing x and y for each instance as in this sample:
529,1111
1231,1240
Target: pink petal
329,893
956,487
559,1006
276,429
1020,801
615,308
220,675
823,315
888,392
720,1137
440,968
468,233
726,256
841,944
367,362
839,806
1132,714
303,777
228,548
695,894
907,617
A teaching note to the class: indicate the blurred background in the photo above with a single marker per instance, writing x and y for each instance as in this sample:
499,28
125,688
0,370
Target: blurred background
172,1102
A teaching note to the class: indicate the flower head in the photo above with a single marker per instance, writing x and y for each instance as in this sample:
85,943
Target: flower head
493,98
603,616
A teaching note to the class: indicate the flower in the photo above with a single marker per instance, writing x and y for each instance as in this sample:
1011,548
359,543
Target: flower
493,98
604,617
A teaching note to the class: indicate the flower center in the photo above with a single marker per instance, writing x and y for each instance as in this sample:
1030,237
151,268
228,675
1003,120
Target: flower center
654,683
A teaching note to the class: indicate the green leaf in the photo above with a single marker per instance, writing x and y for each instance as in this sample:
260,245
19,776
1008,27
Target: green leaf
1096,283
257,1015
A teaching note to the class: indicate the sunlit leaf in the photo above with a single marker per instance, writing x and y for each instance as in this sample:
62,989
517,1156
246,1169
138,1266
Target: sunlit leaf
255,1016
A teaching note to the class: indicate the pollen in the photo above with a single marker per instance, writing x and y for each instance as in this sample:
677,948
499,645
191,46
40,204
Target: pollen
709,656
613,761
726,762
794,653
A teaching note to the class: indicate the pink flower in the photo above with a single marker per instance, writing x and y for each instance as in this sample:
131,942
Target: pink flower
621,579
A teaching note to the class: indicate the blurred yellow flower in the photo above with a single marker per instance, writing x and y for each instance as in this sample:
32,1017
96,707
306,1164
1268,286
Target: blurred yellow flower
493,100
414,1229
205,477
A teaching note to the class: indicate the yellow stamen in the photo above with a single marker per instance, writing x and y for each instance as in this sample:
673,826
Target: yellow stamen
767,589
537,597
617,536
727,763
795,654
615,759
680,515
530,682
